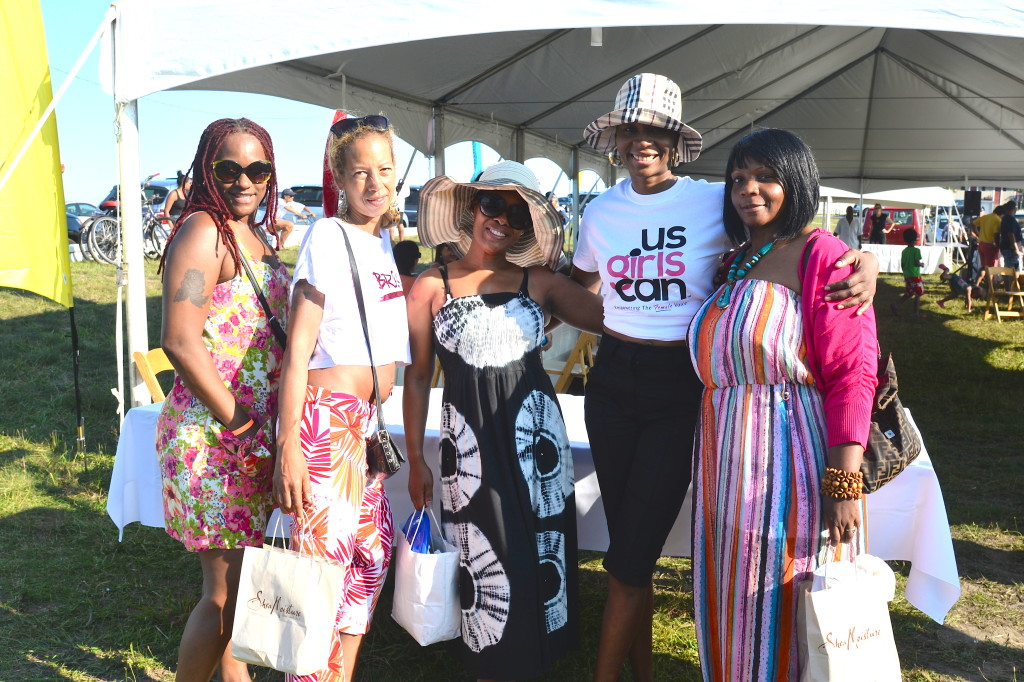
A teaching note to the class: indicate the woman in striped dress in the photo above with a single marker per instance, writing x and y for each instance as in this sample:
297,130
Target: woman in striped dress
789,383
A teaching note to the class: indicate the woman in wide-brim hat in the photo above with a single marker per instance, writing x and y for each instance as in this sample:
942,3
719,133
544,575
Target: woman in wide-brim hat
445,214
655,241
506,466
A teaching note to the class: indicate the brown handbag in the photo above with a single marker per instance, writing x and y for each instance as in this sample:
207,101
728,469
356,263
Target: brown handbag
893,442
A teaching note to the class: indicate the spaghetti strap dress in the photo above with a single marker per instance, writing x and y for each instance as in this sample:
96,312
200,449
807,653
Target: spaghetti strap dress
757,517
508,500
213,498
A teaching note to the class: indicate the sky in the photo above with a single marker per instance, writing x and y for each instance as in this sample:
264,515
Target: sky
170,123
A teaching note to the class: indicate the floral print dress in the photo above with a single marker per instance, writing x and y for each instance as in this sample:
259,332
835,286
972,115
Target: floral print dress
213,498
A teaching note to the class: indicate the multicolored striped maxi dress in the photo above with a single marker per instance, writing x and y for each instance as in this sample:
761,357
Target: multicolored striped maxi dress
759,456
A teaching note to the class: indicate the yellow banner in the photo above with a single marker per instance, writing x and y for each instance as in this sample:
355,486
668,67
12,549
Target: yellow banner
33,229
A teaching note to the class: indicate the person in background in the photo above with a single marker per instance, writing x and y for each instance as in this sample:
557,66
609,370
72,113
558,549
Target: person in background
911,262
552,199
958,287
654,241
443,255
881,224
789,383
327,385
285,225
508,500
849,229
213,433
1011,242
407,255
174,202
986,229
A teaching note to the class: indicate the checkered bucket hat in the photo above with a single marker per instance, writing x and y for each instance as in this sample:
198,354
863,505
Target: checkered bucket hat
652,100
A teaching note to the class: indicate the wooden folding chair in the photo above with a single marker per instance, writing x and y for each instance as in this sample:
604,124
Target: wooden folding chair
1003,284
149,364
578,364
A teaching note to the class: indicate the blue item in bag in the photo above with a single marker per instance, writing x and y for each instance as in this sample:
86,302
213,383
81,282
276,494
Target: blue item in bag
417,531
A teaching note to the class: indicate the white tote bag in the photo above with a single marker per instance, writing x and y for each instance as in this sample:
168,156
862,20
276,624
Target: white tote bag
844,631
286,609
426,601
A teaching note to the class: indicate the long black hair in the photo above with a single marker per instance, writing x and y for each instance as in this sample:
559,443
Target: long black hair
794,165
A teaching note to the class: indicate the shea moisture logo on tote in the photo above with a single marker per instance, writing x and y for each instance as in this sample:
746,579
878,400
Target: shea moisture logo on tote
273,606
851,640
651,272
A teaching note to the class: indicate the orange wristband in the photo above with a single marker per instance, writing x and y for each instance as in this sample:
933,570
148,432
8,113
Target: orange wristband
243,428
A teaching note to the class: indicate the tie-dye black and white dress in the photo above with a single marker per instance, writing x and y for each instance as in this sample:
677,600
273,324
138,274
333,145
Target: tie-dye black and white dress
507,485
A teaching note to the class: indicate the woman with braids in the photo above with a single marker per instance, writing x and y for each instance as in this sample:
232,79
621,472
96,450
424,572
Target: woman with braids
326,382
214,451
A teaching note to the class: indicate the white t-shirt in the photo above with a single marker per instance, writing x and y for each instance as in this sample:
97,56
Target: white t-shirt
656,254
850,232
294,205
323,262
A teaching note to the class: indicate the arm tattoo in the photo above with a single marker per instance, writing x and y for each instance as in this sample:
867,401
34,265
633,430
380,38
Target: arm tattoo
191,289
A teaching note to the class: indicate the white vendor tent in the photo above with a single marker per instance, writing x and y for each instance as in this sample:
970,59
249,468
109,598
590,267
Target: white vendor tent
888,94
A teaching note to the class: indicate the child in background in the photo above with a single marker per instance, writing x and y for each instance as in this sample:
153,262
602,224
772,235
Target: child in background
958,286
911,262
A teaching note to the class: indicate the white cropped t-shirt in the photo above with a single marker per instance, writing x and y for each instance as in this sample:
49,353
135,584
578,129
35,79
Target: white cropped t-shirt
323,262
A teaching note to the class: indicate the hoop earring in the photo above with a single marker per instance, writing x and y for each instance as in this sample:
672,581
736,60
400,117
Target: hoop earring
614,158
342,205
673,159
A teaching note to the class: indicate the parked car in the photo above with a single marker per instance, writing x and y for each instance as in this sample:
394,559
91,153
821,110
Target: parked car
155,192
585,197
82,211
74,228
412,205
902,218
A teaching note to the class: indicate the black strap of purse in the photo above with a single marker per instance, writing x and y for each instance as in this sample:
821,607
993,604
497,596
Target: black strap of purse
362,319
275,324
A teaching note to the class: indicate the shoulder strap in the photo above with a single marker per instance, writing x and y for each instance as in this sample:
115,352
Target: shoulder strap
524,286
275,324
447,287
362,319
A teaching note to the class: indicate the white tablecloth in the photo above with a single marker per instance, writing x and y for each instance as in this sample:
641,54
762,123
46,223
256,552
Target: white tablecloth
906,519
889,257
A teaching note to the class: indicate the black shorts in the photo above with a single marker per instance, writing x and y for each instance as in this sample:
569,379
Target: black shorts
641,410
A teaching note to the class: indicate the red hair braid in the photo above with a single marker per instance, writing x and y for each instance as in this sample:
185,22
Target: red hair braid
204,195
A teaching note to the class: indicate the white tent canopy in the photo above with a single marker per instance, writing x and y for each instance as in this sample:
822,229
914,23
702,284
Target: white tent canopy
913,197
887,94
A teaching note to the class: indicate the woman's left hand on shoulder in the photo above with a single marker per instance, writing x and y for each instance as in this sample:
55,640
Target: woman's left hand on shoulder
859,288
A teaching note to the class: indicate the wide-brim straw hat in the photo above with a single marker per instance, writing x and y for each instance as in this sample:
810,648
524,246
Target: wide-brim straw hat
445,214
652,100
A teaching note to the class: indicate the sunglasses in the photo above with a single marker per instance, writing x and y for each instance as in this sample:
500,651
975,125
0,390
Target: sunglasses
493,205
375,121
227,170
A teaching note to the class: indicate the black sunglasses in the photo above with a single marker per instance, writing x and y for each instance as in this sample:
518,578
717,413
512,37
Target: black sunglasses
375,121
493,205
227,170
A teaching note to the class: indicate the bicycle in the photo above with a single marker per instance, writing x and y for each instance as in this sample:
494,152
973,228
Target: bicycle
104,234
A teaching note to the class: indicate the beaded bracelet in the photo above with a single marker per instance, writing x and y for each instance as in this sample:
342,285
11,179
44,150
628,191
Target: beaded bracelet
842,485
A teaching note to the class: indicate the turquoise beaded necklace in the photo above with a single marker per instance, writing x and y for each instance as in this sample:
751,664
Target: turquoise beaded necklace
737,272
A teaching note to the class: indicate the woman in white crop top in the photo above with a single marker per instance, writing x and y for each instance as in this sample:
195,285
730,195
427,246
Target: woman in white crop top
326,401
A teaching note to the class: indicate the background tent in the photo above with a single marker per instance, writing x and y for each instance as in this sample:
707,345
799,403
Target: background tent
888,94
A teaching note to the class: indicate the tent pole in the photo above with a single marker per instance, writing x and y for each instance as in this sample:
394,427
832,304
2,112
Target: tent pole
79,420
438,139
131,246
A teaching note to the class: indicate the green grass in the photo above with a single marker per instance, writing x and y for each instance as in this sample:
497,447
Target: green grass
77,605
